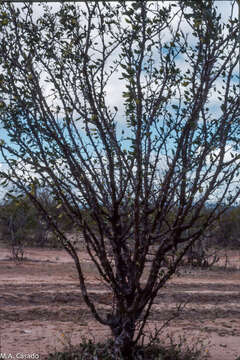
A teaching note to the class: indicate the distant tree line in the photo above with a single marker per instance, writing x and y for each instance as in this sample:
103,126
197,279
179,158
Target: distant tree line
20,223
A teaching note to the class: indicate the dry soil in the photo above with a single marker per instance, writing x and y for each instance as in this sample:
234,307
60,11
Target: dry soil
41,307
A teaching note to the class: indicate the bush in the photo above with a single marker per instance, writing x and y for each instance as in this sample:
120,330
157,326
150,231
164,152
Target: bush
169,349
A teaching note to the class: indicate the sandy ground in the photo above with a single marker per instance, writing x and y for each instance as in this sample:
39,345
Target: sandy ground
41,307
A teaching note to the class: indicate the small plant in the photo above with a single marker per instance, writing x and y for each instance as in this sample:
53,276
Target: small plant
184,348
17,252
65,339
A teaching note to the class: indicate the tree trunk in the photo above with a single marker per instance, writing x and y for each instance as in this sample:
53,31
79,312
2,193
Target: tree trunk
123,329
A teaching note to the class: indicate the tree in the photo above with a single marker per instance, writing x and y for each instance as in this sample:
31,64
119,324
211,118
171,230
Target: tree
16,218
133,175
21,224
228,228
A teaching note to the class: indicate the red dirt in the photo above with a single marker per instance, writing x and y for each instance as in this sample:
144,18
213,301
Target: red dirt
41,307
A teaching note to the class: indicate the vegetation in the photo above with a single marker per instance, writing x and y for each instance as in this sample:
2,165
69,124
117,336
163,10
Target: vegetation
169,349
21,225
134,187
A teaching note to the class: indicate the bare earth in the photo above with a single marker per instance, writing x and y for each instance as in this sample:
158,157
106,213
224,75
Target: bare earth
41,307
